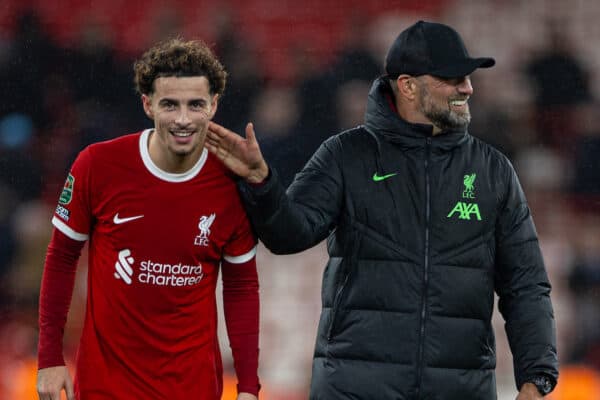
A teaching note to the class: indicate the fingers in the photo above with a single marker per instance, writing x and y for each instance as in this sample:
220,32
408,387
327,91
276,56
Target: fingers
51,381
50,395
217,149
211,145
212,148
251,138
217,129
250,135
69,389
214,142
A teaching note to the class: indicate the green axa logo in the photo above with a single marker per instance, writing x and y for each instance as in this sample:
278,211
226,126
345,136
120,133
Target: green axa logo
67,192
469,182
465,211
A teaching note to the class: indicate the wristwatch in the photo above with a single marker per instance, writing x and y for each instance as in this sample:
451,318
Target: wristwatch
543,384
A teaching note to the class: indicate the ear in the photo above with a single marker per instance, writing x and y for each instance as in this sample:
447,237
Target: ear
214,105
147,104
407,86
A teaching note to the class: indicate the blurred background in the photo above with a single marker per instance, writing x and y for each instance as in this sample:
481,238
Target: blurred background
300,70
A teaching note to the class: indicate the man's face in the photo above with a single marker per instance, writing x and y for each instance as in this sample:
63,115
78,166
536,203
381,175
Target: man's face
181,108
444,101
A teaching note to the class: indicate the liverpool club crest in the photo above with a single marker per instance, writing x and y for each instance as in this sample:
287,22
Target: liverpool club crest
204,226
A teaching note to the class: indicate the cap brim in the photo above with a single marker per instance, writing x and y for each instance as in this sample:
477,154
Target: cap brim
463,68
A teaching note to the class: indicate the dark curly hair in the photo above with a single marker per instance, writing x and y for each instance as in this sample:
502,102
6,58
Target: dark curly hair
176,57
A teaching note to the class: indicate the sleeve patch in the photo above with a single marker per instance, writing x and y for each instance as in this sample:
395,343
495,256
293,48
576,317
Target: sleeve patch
67,193
63,213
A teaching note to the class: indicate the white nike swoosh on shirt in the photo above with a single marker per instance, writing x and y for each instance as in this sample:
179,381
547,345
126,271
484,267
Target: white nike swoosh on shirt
118,220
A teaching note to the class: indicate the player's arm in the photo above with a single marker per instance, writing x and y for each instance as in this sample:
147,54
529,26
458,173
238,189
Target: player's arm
241,308
524,290
310,207
55,297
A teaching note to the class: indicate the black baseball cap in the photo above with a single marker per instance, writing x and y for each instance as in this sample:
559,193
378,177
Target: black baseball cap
433,49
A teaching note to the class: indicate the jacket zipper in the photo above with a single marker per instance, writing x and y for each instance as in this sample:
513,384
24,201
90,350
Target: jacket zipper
425,270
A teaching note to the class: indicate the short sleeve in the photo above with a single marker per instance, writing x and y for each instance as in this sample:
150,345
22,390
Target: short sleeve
242,245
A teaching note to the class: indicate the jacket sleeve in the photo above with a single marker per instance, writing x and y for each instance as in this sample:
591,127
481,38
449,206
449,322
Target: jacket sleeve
523,288
293,221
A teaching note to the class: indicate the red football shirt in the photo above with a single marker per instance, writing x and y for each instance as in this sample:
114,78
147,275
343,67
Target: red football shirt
155,244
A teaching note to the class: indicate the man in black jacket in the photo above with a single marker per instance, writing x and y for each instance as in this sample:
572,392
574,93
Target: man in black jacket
424,223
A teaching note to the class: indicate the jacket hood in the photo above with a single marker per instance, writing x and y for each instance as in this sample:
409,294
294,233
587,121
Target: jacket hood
382,119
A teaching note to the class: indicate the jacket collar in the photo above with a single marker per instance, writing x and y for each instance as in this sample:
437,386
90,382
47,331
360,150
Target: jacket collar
382,119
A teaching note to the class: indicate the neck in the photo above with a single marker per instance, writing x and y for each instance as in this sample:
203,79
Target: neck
410,116
169,161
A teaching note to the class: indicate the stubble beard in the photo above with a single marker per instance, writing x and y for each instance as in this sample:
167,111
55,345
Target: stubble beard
443,118
196,145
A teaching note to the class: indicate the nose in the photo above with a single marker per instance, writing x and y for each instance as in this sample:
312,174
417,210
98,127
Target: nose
465,87
183,118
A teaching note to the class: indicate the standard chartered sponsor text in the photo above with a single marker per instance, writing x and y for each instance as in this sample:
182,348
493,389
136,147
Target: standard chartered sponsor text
160,274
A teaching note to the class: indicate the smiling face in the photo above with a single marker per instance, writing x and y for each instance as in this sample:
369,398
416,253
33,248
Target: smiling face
181,108
444,102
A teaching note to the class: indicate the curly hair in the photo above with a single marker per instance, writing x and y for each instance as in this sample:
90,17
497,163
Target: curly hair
176,57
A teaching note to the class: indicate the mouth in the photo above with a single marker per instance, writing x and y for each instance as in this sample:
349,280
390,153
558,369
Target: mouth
182,134
458,103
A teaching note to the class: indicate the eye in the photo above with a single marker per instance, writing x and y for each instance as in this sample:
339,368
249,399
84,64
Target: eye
197,104
168,105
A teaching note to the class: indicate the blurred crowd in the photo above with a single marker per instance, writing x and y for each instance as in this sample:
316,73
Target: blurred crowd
300,81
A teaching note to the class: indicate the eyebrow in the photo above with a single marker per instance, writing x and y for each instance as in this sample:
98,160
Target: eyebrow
171,100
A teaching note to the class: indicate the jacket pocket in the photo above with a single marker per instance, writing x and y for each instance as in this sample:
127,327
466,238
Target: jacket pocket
336,305
350,262
491,248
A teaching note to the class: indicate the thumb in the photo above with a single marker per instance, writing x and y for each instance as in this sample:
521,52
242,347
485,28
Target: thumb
250,135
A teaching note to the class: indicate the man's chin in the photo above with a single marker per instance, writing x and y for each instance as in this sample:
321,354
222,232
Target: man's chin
187,151
452,123
183,152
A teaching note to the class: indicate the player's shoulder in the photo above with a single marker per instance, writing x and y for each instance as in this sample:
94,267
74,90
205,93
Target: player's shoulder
124,148
351,143
492,155
128,143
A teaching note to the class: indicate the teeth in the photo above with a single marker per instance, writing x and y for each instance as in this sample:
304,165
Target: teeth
182,134
458,102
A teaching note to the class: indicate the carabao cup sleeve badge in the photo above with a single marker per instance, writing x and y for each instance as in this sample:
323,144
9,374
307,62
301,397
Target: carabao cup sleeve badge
67,192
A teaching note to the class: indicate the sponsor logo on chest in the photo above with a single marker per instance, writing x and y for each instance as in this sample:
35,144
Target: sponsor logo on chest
156,273
467,209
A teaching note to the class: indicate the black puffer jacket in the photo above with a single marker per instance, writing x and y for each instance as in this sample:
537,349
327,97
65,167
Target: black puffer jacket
422,231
